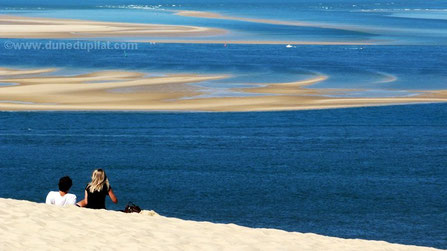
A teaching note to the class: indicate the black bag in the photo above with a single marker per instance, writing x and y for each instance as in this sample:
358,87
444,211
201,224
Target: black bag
132,208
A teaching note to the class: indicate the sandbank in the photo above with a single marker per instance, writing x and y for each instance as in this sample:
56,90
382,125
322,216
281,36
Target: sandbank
33,27
136,91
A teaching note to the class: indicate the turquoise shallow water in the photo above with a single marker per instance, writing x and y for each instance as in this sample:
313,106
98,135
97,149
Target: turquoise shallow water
238,30
391,22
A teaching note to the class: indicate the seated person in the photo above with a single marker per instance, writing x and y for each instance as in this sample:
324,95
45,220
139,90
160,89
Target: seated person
62,198
97,190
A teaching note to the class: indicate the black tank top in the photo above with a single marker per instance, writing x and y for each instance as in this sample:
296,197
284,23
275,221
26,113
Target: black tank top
97,199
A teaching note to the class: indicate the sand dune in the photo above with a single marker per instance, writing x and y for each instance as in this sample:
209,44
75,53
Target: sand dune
122,90
32,27
33,226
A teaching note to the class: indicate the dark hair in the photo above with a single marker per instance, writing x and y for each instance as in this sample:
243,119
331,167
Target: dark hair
65,184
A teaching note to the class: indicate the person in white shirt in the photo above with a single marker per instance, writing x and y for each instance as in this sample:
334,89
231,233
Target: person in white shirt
62,198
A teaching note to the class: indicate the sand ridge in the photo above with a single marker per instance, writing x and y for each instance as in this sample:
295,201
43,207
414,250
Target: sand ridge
37,226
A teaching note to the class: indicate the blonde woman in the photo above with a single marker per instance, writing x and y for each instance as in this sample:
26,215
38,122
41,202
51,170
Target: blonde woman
97,190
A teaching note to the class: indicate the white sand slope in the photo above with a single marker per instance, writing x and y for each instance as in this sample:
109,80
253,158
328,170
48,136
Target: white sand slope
32,226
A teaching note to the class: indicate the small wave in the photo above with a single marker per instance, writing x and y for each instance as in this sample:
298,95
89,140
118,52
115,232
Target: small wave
403,10
23,8
132,6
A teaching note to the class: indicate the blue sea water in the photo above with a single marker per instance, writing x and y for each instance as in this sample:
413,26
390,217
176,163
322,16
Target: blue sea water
371,173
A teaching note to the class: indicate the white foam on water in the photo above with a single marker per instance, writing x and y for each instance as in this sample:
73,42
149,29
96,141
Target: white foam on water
402,10
132,6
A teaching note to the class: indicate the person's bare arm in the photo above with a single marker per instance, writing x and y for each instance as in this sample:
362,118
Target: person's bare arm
112,196
83,202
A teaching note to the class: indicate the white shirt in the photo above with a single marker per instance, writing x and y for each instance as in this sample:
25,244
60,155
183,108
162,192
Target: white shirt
55,198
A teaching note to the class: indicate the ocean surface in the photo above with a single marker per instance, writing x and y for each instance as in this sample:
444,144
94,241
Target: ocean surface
372,173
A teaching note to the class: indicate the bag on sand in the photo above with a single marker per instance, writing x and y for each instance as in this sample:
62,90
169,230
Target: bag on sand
132,208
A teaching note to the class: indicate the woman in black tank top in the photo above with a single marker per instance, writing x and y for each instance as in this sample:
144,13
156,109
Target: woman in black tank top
97,190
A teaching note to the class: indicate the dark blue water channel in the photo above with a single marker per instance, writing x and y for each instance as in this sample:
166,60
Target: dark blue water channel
372,173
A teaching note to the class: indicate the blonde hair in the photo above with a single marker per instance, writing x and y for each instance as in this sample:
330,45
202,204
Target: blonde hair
99,179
